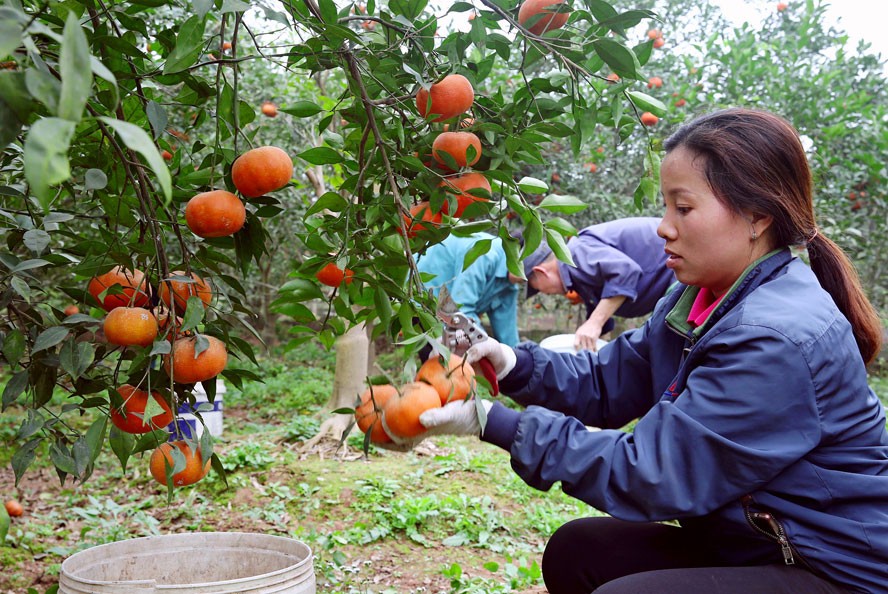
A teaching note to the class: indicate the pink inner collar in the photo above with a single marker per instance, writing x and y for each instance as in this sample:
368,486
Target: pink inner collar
703,305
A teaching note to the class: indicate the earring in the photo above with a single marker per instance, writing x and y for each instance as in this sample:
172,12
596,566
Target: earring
754,235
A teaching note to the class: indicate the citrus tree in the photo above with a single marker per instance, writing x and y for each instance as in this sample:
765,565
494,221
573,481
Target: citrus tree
139,185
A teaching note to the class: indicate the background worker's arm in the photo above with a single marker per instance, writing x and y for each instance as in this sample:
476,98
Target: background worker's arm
588,333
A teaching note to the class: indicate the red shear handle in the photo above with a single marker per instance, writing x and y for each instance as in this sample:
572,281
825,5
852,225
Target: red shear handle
489,374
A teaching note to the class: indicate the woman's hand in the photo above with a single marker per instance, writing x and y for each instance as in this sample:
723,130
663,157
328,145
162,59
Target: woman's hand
502,357
460,417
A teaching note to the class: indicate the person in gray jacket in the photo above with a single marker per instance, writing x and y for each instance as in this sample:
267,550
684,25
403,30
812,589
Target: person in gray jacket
757,431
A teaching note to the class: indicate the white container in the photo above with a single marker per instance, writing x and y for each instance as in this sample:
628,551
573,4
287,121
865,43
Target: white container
211,412
193,563
564,343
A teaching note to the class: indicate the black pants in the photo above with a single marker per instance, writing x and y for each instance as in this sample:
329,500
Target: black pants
610,556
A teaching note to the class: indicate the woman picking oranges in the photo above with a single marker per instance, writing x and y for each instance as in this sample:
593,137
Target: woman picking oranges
757,431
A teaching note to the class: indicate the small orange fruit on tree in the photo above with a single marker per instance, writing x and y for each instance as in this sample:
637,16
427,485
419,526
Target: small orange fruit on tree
591,167
226,46
14,508
781,6
332,275
185,366
655,81
130,288
367,414
261,170
659,42
649,119
540,17
71,310
420,213
167,155
455,382
461,185
162,459
460,148
130,417
401,414
215,214
130,326
450,97
269,109
613,77
178,291
680,103
654,33
573,297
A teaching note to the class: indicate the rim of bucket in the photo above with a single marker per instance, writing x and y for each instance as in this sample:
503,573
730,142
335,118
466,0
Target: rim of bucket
178,541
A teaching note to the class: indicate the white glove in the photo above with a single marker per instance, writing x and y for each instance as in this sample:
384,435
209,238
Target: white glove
460,417
502,357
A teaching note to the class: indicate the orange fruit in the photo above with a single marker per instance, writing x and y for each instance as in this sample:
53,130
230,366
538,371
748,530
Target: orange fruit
655,81
451,96
453,383
420,213
613,77
269,109
654,33
131,416
132,283
14,508
547,21
456,144
461,185
195,468
188,369
164,321
781,6
226,45
649,119
130,326
402,412
373,401
680,103
215,214
591,167
556,178
167,155
659,42
261,170
332,275
71,310
182,290
573,297
464,123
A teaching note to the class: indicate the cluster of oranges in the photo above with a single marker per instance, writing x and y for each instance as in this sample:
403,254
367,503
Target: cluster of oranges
138,313
389,413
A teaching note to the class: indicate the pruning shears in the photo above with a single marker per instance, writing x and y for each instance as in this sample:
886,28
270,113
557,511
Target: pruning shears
463,332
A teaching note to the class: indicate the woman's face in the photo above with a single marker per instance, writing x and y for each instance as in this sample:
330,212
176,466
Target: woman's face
708,245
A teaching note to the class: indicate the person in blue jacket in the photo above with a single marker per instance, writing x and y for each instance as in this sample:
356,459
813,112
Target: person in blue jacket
757,432
484,287
619,269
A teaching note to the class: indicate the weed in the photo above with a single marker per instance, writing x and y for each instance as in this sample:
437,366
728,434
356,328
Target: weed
249,455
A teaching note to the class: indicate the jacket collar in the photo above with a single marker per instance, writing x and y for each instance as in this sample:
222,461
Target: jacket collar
754,275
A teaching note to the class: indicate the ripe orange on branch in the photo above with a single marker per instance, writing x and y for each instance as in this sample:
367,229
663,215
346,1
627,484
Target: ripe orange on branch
132,283
332,275
215,214
368,413
14,508
655,81
269,109
456,144
450,97
180,290
186,368
195,468
420,213
71,310
461,185
261,170
649,119
402,412
131,416
547,21
130,326
455,382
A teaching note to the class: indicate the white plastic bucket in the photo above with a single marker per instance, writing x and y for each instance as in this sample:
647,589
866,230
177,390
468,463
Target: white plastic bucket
564,343
211,412
193,563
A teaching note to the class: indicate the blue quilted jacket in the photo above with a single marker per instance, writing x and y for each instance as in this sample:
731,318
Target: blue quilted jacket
757,430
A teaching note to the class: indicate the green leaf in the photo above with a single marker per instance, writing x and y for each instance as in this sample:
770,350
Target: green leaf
95,435
22,459
14,388
234,6
194,313
331,201
49,338
95,179
157,117
76,357
532,185
29,265
559,246
189,44
563,204
10,39
321,155
4,515
36,240
138,140
329,13
619,57
645,102
122,444
201,8
76,71
46,156
303,109
13,347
